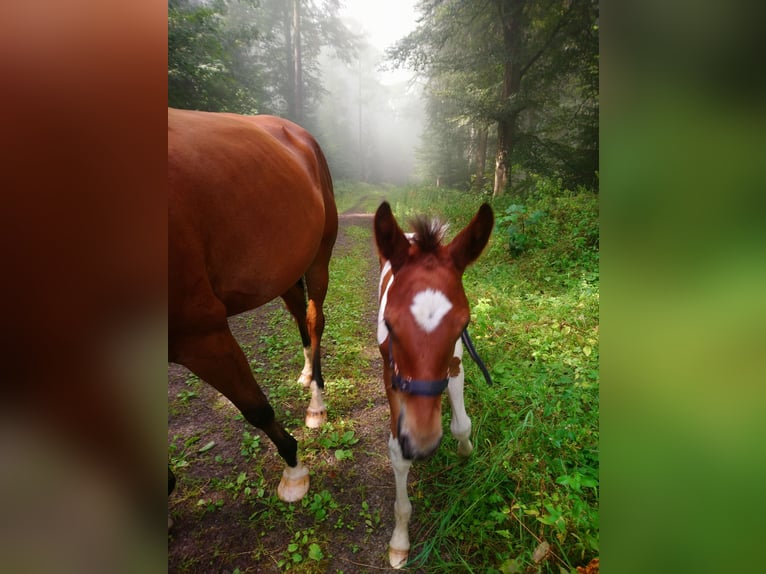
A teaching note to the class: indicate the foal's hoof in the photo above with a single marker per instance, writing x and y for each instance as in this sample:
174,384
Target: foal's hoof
315,419
464,448
305,380
397,558
294,484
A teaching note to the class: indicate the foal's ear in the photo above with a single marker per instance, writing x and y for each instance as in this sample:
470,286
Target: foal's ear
469,243
392,243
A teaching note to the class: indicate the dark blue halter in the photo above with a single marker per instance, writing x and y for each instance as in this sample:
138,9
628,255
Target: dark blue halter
434,387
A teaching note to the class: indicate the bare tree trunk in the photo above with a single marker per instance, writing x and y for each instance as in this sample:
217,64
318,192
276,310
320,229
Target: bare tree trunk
289,58
511,12
502,169
297,62
359,126
480,156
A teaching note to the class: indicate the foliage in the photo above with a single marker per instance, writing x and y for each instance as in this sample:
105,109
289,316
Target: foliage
562,225
200,62
232,55
527,69
520,226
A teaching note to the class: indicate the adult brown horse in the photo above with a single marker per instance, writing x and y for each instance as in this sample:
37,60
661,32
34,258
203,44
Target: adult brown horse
423,315
251,217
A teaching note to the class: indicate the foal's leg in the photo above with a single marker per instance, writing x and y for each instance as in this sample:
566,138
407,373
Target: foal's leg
295,301
460,425
216,358
399,547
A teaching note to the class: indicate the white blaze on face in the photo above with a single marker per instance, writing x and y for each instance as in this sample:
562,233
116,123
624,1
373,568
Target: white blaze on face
429,307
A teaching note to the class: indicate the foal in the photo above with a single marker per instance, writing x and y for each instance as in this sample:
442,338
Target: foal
423,312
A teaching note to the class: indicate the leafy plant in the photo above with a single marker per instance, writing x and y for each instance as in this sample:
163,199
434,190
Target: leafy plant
251,444
520,226
302,548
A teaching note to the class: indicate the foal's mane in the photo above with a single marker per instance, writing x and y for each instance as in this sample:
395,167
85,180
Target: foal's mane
429,233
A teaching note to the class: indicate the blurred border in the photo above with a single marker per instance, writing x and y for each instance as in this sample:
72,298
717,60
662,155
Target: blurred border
683,284
83,249
83,241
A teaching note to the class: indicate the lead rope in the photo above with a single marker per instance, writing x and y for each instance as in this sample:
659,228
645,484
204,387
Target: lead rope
474,355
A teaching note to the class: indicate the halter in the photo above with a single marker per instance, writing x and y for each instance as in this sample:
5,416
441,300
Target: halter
433,387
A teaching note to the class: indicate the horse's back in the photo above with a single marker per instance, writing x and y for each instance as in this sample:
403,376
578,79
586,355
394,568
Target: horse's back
247,208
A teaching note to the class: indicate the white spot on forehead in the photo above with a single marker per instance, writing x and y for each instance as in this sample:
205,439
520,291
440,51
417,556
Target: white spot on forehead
429,307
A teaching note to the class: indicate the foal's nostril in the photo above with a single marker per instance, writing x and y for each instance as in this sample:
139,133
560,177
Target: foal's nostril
411,452
404,443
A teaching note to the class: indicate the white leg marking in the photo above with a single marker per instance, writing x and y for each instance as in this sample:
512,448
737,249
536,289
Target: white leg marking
460,425
316,414
429,308
399,547
294,484
308,370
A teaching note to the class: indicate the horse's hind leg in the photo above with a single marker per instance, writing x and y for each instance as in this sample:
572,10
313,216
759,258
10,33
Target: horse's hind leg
317,278
216,358
295,301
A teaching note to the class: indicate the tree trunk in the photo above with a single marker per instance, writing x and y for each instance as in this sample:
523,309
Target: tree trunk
290,63
480,156
502,169
298,63
511,12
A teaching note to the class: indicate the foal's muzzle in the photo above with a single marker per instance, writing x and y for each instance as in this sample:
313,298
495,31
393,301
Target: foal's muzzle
409,450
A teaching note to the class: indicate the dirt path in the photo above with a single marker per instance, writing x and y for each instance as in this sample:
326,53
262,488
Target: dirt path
215,531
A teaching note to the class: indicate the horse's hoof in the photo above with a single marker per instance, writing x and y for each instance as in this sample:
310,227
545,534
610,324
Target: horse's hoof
315,419
397,558
294,484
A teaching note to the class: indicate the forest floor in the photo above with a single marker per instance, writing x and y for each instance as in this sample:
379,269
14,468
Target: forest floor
225,511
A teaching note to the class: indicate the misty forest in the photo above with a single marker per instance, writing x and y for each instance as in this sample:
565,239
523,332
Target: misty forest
501,88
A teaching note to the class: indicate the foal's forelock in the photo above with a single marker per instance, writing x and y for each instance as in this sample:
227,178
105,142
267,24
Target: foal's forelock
427,233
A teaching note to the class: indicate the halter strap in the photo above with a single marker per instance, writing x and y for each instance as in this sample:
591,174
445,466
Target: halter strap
475,356
418,387
433,387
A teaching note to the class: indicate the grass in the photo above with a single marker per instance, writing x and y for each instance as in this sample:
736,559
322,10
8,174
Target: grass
526,500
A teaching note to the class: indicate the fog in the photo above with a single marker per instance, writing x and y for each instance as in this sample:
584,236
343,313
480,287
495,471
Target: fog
371,118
